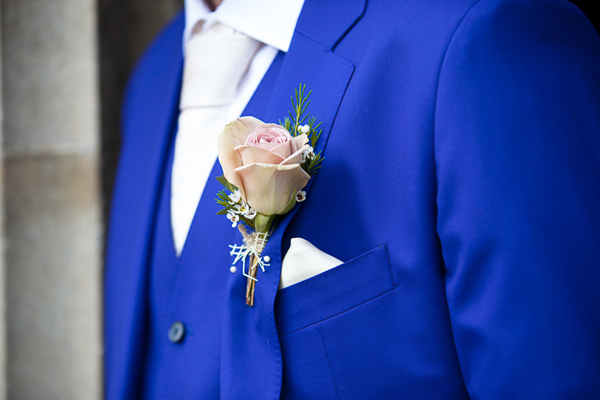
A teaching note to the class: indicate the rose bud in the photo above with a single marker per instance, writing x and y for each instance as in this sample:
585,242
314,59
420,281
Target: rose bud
264,162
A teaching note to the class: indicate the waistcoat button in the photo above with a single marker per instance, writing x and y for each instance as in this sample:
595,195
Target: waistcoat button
176,332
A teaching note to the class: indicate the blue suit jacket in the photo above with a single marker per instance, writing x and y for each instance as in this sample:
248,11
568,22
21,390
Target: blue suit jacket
461,183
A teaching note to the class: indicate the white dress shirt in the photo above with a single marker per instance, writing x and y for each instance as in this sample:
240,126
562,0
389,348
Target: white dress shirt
272,22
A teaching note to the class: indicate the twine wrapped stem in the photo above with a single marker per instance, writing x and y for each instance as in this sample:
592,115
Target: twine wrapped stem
255,243
251,284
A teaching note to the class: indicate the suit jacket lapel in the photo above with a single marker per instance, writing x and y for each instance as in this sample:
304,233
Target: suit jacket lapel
251,364
149,121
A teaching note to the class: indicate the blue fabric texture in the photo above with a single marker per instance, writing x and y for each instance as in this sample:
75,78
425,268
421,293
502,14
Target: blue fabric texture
460,186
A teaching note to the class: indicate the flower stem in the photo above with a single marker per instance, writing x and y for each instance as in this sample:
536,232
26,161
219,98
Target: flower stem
262,223
251,284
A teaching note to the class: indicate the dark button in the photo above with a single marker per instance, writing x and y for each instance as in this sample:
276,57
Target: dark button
176,332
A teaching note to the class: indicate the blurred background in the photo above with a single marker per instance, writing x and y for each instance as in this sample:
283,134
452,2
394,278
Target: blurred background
64,65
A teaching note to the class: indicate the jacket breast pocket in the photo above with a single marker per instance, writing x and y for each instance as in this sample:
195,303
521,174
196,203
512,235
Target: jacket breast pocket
334,291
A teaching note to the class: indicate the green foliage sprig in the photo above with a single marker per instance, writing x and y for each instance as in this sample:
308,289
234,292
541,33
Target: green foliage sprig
232,207
300,122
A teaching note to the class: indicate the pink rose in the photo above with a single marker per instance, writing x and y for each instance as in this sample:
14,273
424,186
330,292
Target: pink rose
263,161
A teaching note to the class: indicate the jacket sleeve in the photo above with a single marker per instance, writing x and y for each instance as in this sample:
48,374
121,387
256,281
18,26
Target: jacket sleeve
517,146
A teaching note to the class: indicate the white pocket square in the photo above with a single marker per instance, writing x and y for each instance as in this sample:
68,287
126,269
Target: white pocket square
303,261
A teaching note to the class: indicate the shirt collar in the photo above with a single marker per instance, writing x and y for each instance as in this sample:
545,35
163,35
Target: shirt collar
269,21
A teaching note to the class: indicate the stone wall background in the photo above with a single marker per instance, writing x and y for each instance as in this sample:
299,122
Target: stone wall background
63,67
52,220
2,247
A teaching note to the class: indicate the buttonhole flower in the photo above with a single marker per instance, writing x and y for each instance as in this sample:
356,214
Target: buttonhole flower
263,162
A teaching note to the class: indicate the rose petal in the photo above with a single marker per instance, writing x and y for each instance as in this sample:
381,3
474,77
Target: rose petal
268,133
267,146
292,146
269,187
234,134
253,154
295,158
299,141
283,149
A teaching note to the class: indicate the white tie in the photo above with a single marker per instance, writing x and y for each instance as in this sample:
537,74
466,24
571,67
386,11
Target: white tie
216,60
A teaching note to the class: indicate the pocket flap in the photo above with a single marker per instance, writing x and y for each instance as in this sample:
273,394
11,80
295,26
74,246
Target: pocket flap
334,291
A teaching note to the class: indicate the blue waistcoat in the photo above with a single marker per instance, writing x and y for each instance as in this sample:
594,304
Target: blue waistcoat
460,187
191,277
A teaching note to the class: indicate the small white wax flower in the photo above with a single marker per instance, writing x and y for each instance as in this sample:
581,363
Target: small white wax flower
304,129
300,196
242,208
308,154
250,214
235,197
234,218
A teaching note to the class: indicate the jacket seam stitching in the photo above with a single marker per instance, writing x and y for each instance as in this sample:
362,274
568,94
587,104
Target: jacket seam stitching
330,367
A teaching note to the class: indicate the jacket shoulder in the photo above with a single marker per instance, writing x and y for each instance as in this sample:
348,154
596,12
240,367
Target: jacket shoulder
162,58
